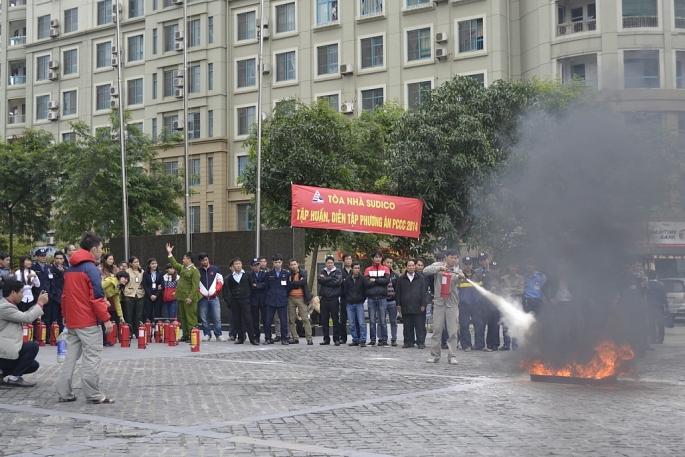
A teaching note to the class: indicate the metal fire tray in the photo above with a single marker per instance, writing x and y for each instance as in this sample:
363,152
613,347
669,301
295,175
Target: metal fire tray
609,380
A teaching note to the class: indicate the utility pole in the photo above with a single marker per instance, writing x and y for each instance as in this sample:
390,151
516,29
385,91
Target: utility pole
258,192
118,55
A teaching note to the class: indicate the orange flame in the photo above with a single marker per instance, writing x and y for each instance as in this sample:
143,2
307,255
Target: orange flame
607,361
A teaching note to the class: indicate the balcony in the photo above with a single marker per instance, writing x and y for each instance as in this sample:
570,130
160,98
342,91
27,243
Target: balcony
580,69
14,119
17,40
632,22
642,82
569,28
16,80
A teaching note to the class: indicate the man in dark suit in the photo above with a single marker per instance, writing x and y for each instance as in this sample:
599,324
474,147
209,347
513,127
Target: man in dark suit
658,305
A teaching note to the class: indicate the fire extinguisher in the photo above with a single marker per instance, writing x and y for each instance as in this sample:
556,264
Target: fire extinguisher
167,332
142,337
25,330
177,332
158,332
125,337
41,332
112,336
195,340
148,332
54,332
31,332
445,284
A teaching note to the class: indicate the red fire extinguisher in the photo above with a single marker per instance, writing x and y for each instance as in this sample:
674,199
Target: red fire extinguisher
112,336
25,330
54,332
125,337
177,332
31,333
41,332
158,332
445,284
167,332
148,332
195,340
142,336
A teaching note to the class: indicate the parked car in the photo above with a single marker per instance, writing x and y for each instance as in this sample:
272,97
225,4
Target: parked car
675,292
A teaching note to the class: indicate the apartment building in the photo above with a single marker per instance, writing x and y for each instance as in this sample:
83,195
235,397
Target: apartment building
56,65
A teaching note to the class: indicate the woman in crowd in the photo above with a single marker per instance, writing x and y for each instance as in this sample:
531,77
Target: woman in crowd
28,277
152,284
112,287
107,266
170,306
134,295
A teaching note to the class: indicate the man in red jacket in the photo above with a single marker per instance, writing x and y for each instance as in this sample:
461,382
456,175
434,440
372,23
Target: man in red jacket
83,305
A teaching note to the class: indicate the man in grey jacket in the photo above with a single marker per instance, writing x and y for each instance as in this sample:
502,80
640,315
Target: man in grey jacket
16,357
445,308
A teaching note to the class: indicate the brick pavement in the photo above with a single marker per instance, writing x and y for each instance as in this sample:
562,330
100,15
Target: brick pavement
321,401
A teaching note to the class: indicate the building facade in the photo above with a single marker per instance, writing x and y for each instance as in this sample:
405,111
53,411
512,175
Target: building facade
56,65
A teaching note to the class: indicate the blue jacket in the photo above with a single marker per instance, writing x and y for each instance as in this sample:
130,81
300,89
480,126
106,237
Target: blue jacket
259,286
44,275
57,283
277,288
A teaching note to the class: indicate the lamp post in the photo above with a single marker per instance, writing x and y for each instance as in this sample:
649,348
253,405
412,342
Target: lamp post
186,147
122,141
258,190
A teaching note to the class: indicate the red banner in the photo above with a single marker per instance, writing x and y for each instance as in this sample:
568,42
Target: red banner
332,209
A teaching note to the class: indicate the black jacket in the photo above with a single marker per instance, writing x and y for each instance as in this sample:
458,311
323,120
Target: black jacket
301,284
57,285
258,296
329,283
44,277
343,297
378,288
411,295
153,288
237,291
391,286
355,289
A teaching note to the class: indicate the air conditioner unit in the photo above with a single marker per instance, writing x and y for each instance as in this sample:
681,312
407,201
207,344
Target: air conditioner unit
178,93
113,104
265,34
258,22
50,240
113,91
347,108
115,62
178,35
116,8
53,64
440,37
178,125
53,75
178,82
114,17
115,50
178,46
346,69
53,116
178,73
266,68
53,105
441,53
54,23
178,2
54,33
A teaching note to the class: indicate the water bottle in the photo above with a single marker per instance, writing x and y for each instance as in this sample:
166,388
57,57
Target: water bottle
62,346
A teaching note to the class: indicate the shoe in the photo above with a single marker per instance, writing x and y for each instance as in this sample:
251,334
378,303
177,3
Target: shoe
467,350
254,343
353,344
239,342
184,340
407,346
421,346
494,349
232,338
107,344
385,344
277,339
505,348
486,350
284,342
268,341
20,382
294,341
362,345
337,343
310,343
394,343
432,359
324,343
205,339
453,361
443,346
372,343
221,339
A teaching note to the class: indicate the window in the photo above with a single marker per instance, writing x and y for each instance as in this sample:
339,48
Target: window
333,101
171,168
640,13
194,33
327,59
285,66
416,93
43,27
154,86
135,8
170,37
194,127
135,48
210,76
168,123
134,91
246,117
167,3
372,52
70,61
133,128
247,76
71,20
210,30
42,107
419,44
194,172
326,11
471,35
480,77
154,41
194,79
210,217
42,68
104,54
102,96
285,18
417,3
194,219
370,8
168,83
245,217
104,12
371,99
154,128
679,13
69,103
641,69
154,5
210,134
247,29
242,166
68,137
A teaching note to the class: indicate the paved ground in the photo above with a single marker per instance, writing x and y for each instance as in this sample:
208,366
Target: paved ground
324,400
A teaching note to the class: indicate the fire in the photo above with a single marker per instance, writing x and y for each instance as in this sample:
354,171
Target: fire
607,361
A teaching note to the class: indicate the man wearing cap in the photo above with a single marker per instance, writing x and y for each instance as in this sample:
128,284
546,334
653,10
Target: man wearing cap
491,315
277,300
43,272
470,310
258,297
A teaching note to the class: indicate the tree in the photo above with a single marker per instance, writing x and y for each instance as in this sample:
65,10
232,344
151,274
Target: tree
93,169
29,172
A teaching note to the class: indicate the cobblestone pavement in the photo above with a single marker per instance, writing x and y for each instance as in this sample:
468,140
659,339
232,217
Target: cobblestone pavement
359,402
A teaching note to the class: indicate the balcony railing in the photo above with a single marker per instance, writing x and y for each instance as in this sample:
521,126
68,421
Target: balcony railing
680,82
631,22
16,80
569,28
14,3
17,119
642,82
587,82
17,40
